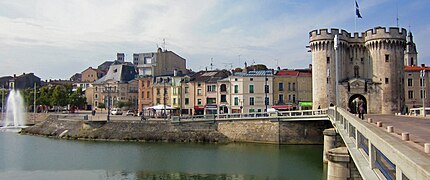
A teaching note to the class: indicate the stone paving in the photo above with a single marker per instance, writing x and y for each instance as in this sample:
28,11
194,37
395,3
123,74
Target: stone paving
417,127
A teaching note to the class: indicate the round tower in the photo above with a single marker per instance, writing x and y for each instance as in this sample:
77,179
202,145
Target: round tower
386,53
321,44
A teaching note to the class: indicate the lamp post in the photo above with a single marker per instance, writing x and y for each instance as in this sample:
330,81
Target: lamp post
108,89
423,93
336,49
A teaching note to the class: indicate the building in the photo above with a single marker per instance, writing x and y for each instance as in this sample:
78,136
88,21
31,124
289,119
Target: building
200,92
414,85
77,77
251,91
145,93
292,89
118,85
159,63
90,74
23,81
371,67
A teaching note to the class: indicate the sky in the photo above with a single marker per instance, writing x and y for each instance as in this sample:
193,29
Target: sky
56,39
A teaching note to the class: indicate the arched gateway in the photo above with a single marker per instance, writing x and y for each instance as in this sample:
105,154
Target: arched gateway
353,104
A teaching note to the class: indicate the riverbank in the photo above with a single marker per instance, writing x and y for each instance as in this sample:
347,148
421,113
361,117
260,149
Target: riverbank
126,131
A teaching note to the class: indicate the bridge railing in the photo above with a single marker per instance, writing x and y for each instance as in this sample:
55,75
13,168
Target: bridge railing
378,154
253,115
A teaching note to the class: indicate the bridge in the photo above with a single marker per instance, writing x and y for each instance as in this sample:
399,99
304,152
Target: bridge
372,150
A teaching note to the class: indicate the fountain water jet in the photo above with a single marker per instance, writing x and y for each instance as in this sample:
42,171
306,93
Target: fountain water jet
15,115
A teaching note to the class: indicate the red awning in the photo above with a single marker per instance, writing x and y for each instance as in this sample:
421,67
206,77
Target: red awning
199,108
283,106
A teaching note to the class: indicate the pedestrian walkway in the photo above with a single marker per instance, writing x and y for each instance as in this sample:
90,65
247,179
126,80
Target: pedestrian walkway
417,127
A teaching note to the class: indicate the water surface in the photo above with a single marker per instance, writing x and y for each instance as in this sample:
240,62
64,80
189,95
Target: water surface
29,157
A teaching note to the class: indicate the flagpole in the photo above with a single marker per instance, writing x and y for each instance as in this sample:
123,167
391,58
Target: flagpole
355,16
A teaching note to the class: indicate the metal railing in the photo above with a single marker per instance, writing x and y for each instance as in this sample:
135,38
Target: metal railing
384,156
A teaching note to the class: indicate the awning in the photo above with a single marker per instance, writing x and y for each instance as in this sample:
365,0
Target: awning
211,106
283,106
305,104
199,108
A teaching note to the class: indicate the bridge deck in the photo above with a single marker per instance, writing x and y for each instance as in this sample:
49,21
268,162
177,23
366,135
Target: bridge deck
417,127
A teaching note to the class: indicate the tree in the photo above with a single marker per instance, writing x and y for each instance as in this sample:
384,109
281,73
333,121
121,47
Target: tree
59,96
77,98
257,67
101,105
122,104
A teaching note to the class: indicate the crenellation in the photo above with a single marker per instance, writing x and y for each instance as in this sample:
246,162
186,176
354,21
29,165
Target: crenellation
368,56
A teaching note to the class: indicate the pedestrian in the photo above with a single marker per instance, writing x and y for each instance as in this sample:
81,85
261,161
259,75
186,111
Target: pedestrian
142,117
93,112
360,108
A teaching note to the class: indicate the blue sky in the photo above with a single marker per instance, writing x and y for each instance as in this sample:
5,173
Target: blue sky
55,39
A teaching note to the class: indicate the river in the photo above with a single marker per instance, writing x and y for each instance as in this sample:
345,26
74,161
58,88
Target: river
30,157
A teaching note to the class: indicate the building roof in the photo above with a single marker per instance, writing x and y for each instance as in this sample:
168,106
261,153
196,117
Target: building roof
417,68
300,73
120,73
255,73
209,76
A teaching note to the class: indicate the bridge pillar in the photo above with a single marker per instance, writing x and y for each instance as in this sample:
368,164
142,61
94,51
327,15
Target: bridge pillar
329,142
338,164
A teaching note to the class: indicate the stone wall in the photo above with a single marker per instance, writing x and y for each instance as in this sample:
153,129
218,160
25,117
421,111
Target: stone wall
263,131
32,118
303,132
127,130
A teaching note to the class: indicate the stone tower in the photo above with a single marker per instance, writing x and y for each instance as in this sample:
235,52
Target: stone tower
370,68
411,54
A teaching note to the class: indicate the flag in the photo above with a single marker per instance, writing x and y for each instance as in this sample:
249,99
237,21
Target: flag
357,10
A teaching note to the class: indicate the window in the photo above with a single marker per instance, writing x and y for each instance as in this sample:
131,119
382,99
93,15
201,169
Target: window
199,101
386,80
409,82
148,83
289,98
174,100
251,79
223,88
362,59
187,90
236,101
387,58
280,98
266,89
412,61
251,101
211,88
147,94
175,91
251,88
199,92
235,79
423,94
223,98
236,88
187,101
165,91
356,71
294,98
251,110
266,101
289,86
294,86
96,89
199,84
281,86
421,82
410,94
210,100
158,100
328,60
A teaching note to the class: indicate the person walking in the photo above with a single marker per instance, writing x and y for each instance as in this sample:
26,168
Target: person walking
360,108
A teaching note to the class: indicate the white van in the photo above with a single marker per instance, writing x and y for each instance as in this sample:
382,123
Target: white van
116,111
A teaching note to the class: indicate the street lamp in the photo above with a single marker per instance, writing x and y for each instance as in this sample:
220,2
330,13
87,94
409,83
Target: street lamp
108,89
422,74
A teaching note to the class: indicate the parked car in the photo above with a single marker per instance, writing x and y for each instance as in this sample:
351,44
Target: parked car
130,113
116,111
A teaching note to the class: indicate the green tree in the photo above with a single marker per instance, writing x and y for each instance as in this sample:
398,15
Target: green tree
101,105
122,104
77,98
59,96
44,97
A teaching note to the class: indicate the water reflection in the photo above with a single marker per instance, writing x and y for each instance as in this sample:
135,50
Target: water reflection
44,158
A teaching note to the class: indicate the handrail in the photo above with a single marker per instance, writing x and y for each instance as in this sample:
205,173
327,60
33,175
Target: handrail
408,161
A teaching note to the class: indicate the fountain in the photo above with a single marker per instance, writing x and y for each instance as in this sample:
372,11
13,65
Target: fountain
15,115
